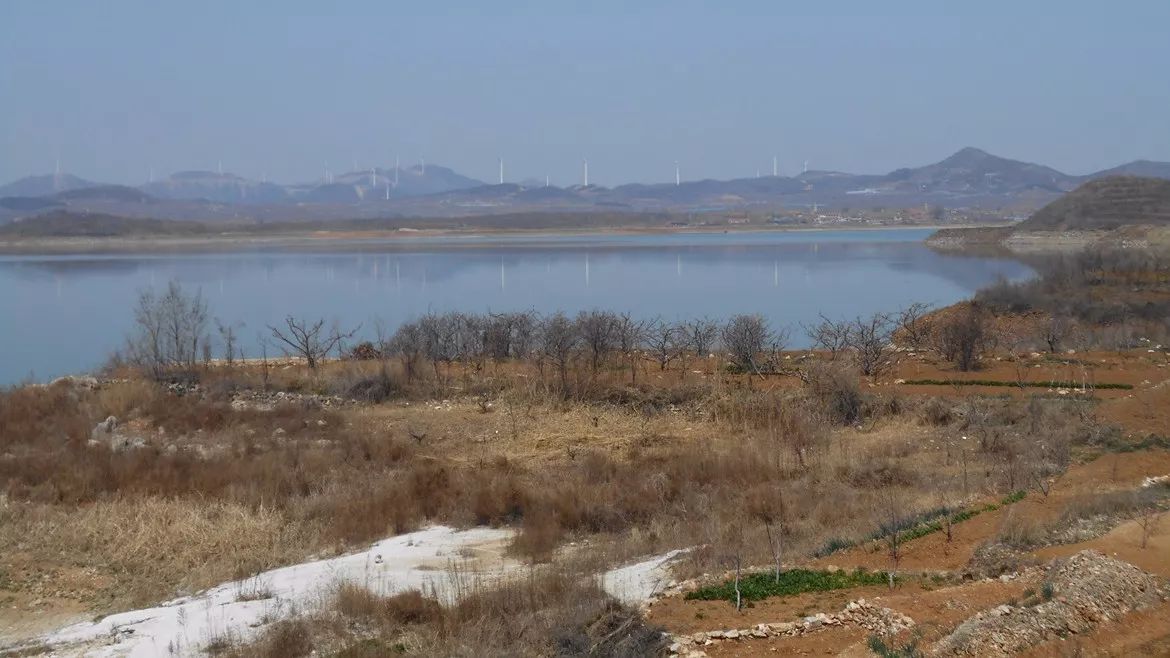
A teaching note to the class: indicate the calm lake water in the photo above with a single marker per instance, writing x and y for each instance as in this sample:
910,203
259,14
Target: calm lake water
65,314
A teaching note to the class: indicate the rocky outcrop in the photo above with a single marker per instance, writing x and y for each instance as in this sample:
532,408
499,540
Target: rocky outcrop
107,433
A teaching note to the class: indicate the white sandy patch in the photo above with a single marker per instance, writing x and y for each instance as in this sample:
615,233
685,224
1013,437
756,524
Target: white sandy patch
636,583
418,560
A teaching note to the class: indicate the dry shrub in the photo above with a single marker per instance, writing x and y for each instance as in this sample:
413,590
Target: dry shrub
150,547
875,475
937,412
370,507
49,415
409,607
122,399
549,613
288,638
836,389
375,387
1112,504
540,532
1021,530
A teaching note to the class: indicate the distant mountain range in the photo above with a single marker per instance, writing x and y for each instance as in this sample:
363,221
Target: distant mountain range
969,178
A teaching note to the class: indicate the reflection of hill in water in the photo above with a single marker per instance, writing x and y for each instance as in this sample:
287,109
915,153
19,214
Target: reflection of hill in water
439,262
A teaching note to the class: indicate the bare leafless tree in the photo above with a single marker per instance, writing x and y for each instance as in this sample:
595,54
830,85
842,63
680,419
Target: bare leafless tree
914,325
559,339
440,335
170,330
766,504
630,333
409,344
700,335
829,335
599,332
309,340
663,342
964,335
746,338
227,334
1054,331
870,341
893,522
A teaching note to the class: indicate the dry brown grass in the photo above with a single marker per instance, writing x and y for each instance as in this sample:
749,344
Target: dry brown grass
548,611
137,551
222,492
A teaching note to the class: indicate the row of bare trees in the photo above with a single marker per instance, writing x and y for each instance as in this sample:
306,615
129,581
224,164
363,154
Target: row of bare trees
592,338
172,333
960,335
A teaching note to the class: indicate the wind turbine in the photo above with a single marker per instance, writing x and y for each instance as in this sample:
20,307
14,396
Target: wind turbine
775,167
677,175
585,165
501,171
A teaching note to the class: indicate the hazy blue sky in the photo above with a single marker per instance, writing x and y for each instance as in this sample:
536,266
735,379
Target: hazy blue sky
116,87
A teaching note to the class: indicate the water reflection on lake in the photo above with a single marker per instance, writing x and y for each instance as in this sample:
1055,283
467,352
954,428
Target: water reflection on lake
64,314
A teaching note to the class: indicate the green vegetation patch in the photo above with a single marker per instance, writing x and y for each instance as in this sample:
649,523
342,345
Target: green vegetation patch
921,525
995,382
1153,441
761,585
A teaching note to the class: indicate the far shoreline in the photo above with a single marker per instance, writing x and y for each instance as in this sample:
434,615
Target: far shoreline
391,239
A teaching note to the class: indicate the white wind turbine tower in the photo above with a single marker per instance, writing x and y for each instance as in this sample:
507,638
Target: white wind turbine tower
396,167
805,167
677,175
501,171
585,166
775,167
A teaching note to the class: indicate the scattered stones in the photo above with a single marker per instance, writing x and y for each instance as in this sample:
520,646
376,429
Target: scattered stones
1088,588
873,618
106,433
104,429
997,559
1155,480
269,400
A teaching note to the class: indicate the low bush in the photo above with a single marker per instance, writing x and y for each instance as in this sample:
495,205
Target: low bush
837,390
409,607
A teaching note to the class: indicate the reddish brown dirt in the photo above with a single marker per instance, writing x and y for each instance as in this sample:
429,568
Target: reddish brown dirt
1143,634
1125,543
1142,370
678,615
934,611
938,611
933,552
